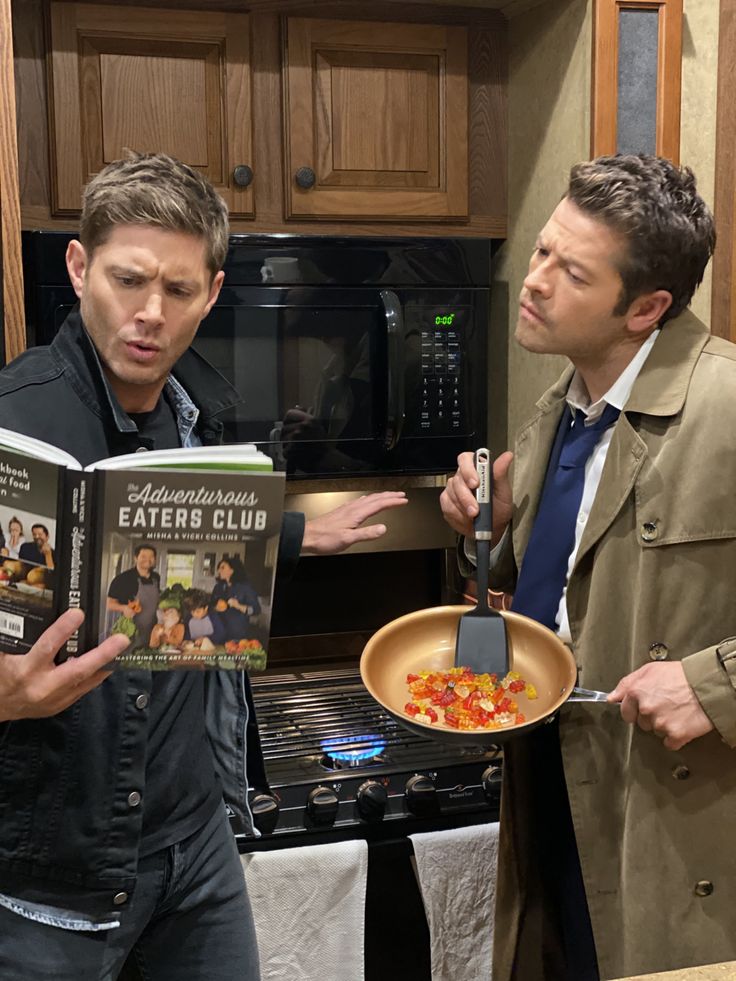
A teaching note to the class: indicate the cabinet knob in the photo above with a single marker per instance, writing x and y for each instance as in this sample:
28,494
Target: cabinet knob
243,175
305,177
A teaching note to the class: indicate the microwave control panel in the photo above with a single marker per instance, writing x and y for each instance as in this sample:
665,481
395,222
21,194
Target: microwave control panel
440,379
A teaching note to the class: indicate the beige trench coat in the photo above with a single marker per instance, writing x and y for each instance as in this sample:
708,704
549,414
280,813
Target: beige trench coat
655,577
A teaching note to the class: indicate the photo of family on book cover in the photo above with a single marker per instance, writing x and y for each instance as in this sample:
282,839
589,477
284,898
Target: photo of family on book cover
28,555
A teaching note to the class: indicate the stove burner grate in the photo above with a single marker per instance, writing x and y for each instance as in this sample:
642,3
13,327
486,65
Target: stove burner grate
333,722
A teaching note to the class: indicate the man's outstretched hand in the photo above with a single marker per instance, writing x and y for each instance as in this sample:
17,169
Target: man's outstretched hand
339,529
32,686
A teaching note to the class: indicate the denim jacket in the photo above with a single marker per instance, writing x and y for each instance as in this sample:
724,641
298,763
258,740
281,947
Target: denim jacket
70,837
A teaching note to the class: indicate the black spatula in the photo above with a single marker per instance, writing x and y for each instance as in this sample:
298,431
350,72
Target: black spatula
481,634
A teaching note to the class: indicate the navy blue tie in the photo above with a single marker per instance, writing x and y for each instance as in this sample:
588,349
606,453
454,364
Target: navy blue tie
544,567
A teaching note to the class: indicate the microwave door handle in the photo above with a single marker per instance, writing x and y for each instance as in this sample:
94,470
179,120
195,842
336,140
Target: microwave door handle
395,344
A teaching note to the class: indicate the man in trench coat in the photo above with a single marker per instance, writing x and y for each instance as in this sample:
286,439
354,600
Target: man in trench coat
649,603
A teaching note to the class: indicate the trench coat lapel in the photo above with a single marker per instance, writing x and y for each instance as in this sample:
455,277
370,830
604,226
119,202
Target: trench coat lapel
624,460
659,391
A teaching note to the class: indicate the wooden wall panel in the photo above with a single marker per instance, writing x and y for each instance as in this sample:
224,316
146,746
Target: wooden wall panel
10,254
605,74
723,309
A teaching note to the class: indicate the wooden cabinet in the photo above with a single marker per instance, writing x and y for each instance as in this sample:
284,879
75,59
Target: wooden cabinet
401,120
176,81
375,120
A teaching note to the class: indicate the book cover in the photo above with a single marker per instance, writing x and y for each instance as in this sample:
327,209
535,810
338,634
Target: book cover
180,556
185,565
31,494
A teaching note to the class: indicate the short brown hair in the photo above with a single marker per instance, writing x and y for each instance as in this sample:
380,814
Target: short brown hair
154,189
654,205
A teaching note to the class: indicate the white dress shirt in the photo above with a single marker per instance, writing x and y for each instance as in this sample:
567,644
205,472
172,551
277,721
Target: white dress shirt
577,398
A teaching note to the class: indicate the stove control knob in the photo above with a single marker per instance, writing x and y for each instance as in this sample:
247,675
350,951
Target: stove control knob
491,783
265,810
421,796
322,805
371,800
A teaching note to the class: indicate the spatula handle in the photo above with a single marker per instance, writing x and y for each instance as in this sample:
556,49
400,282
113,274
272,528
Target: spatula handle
483,523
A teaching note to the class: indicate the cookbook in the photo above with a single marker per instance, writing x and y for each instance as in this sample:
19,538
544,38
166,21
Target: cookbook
176,549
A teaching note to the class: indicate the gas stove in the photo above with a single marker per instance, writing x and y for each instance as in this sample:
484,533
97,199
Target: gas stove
337,762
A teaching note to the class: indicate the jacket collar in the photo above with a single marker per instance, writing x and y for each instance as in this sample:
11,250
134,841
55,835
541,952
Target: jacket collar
206,387
663,381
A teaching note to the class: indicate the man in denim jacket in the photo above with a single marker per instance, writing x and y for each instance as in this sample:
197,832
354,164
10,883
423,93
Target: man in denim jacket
115,840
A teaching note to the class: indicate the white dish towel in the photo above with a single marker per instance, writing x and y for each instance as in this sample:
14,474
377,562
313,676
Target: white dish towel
457,878
309,910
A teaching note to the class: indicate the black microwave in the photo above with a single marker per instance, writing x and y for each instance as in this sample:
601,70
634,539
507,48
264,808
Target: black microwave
353,356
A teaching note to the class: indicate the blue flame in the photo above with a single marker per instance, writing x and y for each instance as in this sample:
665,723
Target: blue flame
354,750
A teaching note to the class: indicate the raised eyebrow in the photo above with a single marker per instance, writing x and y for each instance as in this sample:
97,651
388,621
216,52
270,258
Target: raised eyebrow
127,271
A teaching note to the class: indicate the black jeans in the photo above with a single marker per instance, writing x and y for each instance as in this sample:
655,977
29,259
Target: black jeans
189,920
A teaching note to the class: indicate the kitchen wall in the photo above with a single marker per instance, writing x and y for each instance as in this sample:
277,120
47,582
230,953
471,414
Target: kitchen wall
549,89
698,120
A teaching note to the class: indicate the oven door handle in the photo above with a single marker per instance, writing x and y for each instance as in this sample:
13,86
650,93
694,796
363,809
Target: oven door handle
395,408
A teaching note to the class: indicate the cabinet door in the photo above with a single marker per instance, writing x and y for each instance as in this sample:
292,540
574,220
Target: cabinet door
173,81
376,122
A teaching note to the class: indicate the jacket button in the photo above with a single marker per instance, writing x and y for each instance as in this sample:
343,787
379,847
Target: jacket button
649,531
658,652
680,772
119,898
142,701
134,798
703,888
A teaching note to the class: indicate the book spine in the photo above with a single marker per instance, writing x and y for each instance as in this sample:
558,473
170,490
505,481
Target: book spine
75,559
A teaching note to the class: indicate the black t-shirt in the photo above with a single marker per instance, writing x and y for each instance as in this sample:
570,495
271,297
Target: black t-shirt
182,789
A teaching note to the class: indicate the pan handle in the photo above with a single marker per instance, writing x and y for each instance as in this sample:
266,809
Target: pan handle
585,695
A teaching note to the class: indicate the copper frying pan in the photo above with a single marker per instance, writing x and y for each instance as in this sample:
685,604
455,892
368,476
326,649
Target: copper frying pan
425,640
